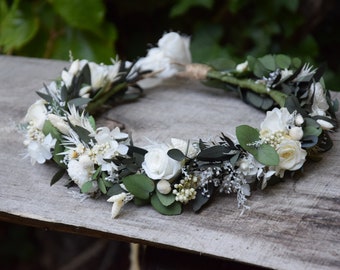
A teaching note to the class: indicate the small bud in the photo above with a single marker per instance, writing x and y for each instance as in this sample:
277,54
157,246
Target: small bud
299,120
325,125
242,67
296,133
164,187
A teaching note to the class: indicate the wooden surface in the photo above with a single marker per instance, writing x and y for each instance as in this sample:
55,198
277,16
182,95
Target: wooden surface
293,225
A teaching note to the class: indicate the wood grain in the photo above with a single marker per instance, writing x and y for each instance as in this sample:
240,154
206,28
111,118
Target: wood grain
293,225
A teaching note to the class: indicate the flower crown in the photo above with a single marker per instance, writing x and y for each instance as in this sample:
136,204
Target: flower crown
61,127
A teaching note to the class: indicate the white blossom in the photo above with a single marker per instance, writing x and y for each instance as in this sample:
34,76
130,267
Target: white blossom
37,114
158,165
291,155
170,57
40,151
81,171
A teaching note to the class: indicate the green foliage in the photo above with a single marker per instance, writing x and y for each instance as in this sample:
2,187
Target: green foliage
139,185
173,209
249,139
53,28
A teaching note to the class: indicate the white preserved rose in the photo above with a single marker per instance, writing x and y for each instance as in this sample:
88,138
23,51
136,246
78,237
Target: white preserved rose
275,121
291,155
158,165
37,114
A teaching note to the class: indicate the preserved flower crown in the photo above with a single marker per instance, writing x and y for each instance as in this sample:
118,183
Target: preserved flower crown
60,126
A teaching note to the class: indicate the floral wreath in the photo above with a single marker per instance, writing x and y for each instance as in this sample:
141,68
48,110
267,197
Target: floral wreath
60,126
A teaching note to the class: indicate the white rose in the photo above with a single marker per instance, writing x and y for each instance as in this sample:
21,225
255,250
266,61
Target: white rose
292,156
170,57
276,120
158,165
185,147
36,114
176,47
320,105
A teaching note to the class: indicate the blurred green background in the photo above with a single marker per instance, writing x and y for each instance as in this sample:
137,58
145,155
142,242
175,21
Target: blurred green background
100,29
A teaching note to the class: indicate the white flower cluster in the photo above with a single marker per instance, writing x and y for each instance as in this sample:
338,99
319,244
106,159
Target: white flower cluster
283,131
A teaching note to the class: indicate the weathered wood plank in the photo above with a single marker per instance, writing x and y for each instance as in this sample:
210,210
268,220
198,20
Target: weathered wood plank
293,225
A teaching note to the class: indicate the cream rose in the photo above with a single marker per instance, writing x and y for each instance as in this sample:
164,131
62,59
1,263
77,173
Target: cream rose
170,57
292,156
158,165
276,120
37,114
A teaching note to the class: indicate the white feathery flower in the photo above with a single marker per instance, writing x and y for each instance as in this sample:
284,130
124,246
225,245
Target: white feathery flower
118,202
78,119
306,73
59,123
81,171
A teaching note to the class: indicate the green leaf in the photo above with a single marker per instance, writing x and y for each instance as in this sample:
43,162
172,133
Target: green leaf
140,202
48,128
81,14
58,175
87,187
83,133
78,102
282,61
278,97
139,185
215,153
166,199
268,62
114,190
102,186
176,154
311,128
59,148
173,209
267,155
249,140
201,200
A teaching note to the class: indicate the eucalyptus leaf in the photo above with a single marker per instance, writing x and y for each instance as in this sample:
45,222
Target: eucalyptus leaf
102,186
268,62
166,199
309,141
59,148
114,190
173,209
87,187
282,61
249,140
139,185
